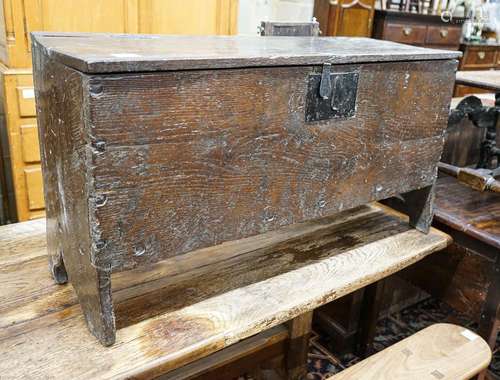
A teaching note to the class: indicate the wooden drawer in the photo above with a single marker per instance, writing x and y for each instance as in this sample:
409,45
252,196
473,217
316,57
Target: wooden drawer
29,143
437,35
479,58
34,187
26,101
410,34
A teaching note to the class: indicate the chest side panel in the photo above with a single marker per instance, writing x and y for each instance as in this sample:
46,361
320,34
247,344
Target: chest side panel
190,159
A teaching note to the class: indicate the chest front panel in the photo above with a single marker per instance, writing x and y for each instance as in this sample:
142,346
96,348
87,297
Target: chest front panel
188,159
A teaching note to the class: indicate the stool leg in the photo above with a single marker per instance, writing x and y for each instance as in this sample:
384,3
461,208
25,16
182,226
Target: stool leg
298,346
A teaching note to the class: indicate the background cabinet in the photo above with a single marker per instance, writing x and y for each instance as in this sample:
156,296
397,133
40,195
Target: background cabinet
345,17
19,106
19,18
417,29
116,16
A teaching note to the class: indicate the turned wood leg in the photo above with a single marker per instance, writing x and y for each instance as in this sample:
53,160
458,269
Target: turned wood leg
419,207
369,315
298,346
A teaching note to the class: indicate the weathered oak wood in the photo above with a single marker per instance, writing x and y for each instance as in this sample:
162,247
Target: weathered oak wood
68,192
420,207
140,166
106,53
187,307
441,351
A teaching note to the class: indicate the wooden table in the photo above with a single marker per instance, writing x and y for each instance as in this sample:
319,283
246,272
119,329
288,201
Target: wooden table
486,79
186,308
467,274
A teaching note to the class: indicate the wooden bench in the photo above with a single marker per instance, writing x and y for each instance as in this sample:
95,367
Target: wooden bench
186,308
441,351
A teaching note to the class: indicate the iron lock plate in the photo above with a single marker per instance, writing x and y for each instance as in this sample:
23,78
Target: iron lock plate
331,95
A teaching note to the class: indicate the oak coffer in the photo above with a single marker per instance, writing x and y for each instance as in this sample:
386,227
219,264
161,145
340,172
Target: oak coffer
154,146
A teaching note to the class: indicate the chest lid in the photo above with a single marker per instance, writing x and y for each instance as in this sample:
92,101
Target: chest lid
108,53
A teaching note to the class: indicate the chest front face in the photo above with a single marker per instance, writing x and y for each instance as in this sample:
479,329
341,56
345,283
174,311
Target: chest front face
188,159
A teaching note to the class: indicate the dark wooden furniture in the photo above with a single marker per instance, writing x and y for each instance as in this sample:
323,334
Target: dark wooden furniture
352,18
483,117
417,29
149,154
480,56
186,315
466,275
477,56
297,29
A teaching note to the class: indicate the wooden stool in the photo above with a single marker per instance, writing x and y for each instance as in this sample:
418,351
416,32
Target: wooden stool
442,351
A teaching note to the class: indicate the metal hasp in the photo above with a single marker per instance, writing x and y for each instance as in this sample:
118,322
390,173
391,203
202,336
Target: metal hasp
331,95
481,117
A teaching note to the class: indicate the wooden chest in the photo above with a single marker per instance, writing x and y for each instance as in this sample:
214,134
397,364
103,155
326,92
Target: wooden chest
154,146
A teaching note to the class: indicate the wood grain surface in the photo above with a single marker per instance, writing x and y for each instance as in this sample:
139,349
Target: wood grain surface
441,351
478,215
190,306
106,53
485,79
231,156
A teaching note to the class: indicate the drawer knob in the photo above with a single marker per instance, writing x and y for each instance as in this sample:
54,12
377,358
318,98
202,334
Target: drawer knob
481,54
444,33
407,31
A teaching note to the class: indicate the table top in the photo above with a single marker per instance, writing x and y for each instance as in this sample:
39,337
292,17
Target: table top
486,79
475,213
190,306
105,53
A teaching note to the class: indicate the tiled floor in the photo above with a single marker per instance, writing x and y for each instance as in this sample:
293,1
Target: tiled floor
322,363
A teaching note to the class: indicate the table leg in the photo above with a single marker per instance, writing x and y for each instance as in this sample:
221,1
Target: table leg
488,323
370,311
298,346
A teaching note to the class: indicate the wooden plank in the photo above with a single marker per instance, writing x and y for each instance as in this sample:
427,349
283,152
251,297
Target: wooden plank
106,53
235,360
485,79
190,306
169,174
441,351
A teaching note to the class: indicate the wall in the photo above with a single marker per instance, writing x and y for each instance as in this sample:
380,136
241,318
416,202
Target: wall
252,12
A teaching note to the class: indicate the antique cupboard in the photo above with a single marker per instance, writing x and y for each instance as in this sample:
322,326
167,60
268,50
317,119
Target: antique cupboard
352,18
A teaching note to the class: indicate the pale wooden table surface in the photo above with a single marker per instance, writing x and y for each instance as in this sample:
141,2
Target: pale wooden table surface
442,351
487,79
188,307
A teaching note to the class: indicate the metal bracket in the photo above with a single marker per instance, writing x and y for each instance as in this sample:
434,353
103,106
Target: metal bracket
331,95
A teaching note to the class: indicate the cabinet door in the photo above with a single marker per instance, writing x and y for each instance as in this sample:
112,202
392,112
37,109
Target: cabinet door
111,16
24,17
355,17
188,17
